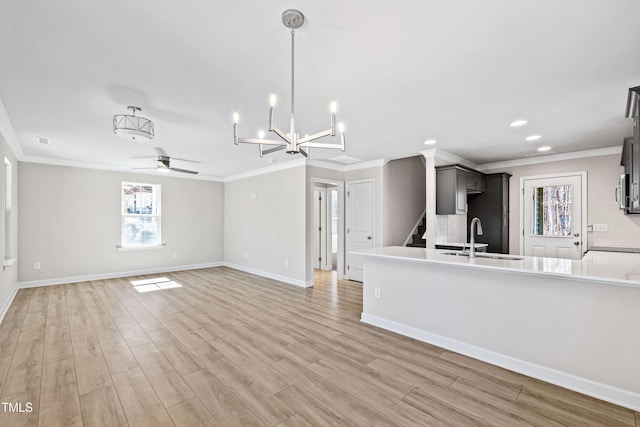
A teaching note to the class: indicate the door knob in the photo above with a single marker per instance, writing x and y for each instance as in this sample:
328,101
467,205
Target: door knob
576,235
368,237
576,243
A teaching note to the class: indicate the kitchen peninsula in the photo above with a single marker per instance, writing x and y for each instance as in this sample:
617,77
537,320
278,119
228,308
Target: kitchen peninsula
574,323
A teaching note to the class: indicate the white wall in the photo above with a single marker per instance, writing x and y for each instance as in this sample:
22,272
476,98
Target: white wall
8,276
269,229
404,198
603,173
70,223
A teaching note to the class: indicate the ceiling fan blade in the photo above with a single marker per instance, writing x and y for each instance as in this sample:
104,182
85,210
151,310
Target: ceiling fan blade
146,168
184,171
185,160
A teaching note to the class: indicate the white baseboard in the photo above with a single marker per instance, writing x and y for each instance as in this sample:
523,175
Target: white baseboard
606,392
7,304
268,275
102,276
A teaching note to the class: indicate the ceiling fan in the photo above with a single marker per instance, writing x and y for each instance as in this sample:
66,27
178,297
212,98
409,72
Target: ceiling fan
163,163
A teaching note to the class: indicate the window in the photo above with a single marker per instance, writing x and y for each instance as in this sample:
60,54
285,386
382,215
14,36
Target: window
552,211
140,215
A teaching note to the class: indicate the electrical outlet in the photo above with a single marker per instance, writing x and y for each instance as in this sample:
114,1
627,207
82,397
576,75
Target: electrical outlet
246,255
36,266
600,227
175,255
254,195
286,263
376,293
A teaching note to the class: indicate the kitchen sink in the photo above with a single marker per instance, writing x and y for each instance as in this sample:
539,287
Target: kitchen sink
485,255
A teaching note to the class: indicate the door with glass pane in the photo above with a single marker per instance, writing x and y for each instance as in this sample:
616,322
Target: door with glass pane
553,216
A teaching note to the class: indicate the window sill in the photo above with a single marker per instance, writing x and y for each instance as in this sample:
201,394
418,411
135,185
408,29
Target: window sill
8,262
140,248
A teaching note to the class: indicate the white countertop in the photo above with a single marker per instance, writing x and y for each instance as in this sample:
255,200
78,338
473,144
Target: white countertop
610,267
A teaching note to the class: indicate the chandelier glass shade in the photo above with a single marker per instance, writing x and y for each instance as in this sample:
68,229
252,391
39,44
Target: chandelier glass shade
132,127
292,142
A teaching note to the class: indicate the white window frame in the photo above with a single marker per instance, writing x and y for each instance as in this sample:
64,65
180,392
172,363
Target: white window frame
124,215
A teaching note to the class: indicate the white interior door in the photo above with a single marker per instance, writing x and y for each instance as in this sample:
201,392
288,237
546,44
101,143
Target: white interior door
554,216
359,225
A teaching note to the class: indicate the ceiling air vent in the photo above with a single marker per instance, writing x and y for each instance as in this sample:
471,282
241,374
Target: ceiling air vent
345,160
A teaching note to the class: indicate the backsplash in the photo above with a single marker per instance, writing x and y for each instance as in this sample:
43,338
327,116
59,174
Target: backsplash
451,228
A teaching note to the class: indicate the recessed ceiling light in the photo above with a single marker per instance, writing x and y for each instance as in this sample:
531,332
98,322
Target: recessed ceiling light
430,142
544,148
518,123
42,140
533,137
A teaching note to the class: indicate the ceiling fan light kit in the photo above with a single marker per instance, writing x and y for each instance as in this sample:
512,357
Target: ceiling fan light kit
132,127
292,142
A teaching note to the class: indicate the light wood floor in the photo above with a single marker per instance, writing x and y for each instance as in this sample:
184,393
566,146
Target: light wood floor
228,348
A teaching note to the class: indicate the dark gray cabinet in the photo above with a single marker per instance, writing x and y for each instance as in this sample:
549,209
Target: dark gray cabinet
453,183
492,207
451,190
475,182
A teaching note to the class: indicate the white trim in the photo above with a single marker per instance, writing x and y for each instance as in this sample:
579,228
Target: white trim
266,169
325,164
551,158
605,392
102,276
583,208
448,157
268,275
7,304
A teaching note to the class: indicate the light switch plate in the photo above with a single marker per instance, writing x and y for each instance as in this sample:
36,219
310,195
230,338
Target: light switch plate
600,227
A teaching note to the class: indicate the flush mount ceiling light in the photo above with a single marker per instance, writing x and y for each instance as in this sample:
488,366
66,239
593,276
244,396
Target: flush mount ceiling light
430,142
544,148
132,127
533,137
291,141
518,123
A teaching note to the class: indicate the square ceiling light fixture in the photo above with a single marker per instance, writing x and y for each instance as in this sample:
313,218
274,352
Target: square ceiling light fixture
132,127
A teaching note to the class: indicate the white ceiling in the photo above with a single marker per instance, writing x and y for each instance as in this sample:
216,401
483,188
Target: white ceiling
402,72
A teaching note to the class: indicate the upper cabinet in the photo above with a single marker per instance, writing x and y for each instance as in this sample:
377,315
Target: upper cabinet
452,185
475,182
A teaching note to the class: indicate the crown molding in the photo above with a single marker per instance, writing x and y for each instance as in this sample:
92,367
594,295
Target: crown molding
96,166
347,168
552,158
448,157
266,169
9,134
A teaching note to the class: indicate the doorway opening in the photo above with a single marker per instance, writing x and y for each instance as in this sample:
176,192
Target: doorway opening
328,226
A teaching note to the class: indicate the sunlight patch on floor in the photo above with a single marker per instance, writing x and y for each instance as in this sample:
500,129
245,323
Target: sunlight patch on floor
154,284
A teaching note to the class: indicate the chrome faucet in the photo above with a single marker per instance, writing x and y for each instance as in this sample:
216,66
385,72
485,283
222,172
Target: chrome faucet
472,239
